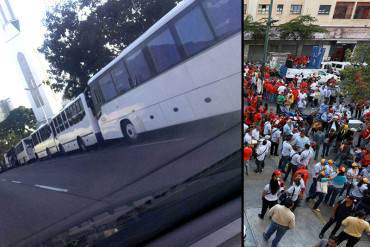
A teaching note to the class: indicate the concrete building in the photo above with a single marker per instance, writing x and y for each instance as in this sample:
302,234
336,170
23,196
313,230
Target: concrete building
348,23
5,108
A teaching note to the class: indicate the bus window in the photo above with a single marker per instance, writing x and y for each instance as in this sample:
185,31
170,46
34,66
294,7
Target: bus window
224,16
107,87
138,67
56,125
60,123
65,121
28,143
164,51
53,128
34,139
120,78
194,32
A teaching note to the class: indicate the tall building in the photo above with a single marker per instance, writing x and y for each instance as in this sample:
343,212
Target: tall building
5,108
347,22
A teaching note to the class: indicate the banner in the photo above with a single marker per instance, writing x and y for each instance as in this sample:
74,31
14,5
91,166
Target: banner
316,57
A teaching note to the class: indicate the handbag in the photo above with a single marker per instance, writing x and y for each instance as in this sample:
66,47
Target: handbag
322,187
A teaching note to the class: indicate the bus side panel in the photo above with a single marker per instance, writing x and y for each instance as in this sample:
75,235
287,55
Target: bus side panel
152,117
214,64
177,110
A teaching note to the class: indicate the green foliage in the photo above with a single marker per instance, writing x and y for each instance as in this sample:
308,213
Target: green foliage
300,28
83,36
361,54
18,125
348,55
357,82
256,28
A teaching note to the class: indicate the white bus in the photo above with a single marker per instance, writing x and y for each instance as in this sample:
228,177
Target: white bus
75,127
184,68
24,151
44,142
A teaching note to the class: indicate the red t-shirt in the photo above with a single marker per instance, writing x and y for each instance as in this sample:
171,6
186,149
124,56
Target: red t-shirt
247,153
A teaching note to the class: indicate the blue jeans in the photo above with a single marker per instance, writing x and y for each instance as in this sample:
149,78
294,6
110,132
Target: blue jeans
280,231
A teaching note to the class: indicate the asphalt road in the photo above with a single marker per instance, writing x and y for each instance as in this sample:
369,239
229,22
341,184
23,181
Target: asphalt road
42,199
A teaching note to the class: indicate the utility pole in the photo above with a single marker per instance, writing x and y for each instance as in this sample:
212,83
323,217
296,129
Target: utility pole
265,47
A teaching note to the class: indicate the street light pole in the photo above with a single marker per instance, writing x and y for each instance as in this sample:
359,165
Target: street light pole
265,48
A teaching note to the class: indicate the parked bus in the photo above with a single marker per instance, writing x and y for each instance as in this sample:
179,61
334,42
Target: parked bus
184,68
24,151
75,127
44,142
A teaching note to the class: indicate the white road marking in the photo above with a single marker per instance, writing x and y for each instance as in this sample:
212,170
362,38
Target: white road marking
51,188
16,182
154,143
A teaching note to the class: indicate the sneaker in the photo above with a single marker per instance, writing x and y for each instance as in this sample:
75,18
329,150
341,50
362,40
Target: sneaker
316,209
321,235
260,216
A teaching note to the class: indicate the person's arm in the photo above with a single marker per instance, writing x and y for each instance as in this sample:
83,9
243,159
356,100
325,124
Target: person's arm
345,221
292,223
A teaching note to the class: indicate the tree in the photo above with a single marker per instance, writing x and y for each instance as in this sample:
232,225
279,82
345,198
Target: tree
19,124
83,36
300,29
356,78
256,28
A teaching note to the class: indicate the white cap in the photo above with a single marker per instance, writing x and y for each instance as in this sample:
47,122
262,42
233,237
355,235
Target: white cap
267,137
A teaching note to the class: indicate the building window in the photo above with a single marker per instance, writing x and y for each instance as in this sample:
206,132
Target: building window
362,11
280,8
343,10
296,9
263,8
324,9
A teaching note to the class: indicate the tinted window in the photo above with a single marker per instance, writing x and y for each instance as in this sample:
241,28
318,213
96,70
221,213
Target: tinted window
224,15
28,143
138,67
164,51
65,122
120,77
34,139
194,33
107,87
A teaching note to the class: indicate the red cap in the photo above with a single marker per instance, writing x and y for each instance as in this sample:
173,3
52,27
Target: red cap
277,173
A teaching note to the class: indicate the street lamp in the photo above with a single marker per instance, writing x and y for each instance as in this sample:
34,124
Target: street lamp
265,47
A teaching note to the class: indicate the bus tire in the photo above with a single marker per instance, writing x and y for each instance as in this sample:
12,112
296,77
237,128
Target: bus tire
61,149
129,131
81,144
48,154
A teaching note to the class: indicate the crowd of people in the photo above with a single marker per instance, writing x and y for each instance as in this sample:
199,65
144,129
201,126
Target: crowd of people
322,142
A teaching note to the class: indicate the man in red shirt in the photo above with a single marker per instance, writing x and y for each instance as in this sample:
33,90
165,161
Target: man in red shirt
247,155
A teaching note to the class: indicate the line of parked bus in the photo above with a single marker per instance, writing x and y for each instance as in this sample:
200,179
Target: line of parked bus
184,68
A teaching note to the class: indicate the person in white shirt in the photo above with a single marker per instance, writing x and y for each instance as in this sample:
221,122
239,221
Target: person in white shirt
261,152
267,128
294,162
275,139
319,167
255,134
296,191
268,143
352,175
285,153
248,137
271,193
305,156
281,89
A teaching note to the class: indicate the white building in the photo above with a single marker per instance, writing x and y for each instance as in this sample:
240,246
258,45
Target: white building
5,108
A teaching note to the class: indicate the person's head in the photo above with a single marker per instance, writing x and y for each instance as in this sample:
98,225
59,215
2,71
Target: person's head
297,180
341,171
330,162
323,161
306,146
360,214
302,133
264,142
289,138
288,203
354,165
332,242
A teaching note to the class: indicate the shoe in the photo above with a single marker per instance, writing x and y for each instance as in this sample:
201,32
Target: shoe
321,235
260,216
316,209
265,237
256,171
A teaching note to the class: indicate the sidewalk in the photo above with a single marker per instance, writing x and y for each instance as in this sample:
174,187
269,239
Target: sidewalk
308,222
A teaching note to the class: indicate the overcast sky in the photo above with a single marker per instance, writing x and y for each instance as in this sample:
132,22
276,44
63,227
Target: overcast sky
30,13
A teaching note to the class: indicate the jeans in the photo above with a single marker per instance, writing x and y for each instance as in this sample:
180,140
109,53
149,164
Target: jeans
260,165
332,195
312,190
280,231
331,221
344,236
319,200
292,168
325,149
265,205
274,148
282,163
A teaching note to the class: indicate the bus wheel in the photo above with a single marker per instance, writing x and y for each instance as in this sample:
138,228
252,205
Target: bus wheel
61,149
48,154
129,131
81,144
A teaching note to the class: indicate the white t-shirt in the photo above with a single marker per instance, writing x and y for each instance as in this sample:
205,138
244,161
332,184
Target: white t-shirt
296,189
275,135
255,134
317,169
269,196
267,128
305,157
295,157
261,152
287,149
352,175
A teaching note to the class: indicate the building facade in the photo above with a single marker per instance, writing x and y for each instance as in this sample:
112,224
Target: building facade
5,108
347,22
